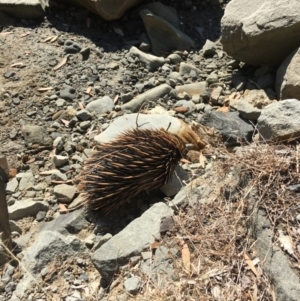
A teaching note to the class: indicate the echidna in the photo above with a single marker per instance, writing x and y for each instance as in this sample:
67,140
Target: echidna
138,160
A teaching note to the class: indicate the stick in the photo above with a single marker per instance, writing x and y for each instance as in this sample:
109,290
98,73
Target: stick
4,217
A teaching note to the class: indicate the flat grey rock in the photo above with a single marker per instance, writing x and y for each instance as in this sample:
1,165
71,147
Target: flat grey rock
24,9
64,193
66,224
131,241
275,263
151,95
127,122
164,37
151,62
46,248
26,208
280,120
36,134
100,105
230,126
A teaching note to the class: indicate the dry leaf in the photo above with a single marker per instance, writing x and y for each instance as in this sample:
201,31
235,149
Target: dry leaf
90,130
216,292
88,90
52,153
61,63
201,160
63,208
154,245
251,265
25,34
47,39
286,242
116,98
45,89
16,65
30,161
6,33
80,105
53,39
65,122
186,258
49,172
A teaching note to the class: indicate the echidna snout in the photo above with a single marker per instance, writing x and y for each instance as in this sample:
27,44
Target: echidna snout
138,160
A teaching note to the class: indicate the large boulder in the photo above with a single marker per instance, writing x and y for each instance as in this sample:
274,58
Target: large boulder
279,121
24,9
107,9
261,31
288,77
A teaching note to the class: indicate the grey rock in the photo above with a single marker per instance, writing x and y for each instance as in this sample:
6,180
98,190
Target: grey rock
175,58
175,76
46,248
212,78
232,128
12,186
102,241
280,121
132,285
64,193
288,77
67,92
58,143
136,237
70,223
185,69
27,180
151,62
176,182
126,122
40,216
36,134
275,264
250,106
209,48
60,102
101,105
71,47
164,37
150,95
59,160
192,89
126,97
167,12
31,9
9,73
26,208
14,227
161,269
85,124
246,25
186,103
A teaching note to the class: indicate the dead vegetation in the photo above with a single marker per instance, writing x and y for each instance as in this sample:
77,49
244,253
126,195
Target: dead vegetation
218,259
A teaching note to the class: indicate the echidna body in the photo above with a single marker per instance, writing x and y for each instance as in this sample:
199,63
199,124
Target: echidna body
138,160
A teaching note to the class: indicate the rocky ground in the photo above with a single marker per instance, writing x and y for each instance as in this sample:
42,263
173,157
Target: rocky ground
63,81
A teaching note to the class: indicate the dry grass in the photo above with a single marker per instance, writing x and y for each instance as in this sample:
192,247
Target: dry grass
223,260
